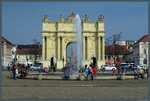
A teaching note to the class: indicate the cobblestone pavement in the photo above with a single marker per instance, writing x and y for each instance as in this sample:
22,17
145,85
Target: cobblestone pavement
59,89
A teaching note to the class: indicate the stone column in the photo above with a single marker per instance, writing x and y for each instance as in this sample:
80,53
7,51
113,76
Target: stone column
103,49
58,48
83,48
43,48
87,49
46,47
62,50
99,45
100,48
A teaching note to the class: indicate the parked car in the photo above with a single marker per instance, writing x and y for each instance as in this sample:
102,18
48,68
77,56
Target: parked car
141,66
35,67
127,66
108,67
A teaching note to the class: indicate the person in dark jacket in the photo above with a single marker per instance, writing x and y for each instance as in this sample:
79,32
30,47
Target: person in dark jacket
22,73
66,72
14,71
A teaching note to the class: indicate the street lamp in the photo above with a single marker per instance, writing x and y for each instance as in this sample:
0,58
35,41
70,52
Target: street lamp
27,63
15,59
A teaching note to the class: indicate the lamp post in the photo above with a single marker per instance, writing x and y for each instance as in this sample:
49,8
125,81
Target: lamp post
27,63
15,58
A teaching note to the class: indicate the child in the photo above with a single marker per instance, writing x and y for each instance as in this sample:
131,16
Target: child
94,72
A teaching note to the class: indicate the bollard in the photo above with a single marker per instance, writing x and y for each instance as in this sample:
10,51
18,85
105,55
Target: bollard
122,76
135,77
144,76
81,77
40,76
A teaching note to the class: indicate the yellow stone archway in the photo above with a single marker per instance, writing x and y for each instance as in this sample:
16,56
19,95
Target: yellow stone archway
56,36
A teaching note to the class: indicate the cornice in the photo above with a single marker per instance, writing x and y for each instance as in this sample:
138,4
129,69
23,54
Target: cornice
72,31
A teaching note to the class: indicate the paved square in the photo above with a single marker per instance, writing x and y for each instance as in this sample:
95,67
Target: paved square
59,89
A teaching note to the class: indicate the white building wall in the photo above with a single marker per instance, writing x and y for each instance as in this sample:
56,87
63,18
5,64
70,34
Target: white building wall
7,54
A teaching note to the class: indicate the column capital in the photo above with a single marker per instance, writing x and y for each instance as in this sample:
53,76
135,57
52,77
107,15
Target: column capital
101,34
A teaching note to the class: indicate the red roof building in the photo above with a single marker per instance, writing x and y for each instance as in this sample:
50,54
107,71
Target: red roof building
112,52
143,39
121,50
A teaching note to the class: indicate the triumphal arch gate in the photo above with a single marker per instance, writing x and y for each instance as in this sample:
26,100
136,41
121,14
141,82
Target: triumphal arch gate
57,35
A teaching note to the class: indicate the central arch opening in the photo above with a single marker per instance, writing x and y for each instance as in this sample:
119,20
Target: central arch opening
71,53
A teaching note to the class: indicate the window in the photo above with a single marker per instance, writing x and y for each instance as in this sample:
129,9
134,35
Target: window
145,51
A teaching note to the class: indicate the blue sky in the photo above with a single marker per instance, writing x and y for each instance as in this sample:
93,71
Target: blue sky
22,21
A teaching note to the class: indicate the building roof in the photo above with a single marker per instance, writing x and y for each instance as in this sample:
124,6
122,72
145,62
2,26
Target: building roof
29,46
143,39
120,50
5,40
29,51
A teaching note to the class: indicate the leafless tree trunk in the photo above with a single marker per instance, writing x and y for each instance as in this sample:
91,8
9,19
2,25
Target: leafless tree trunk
114,48
36,46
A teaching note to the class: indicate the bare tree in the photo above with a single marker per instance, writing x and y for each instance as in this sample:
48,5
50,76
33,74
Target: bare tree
113,46
36,46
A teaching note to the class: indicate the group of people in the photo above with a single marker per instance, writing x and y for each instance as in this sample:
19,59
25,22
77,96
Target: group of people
23,71
139,72
90,71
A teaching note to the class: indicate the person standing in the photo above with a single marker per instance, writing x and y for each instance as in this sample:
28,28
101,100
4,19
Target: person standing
138,72
141,72
118,68
54,65
26,72
86,71
22,73
95,72
90,71
14,71
66,72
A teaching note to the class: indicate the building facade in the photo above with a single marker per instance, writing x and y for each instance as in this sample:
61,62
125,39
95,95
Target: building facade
6,52
58,35
26,54
140,51
119,55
